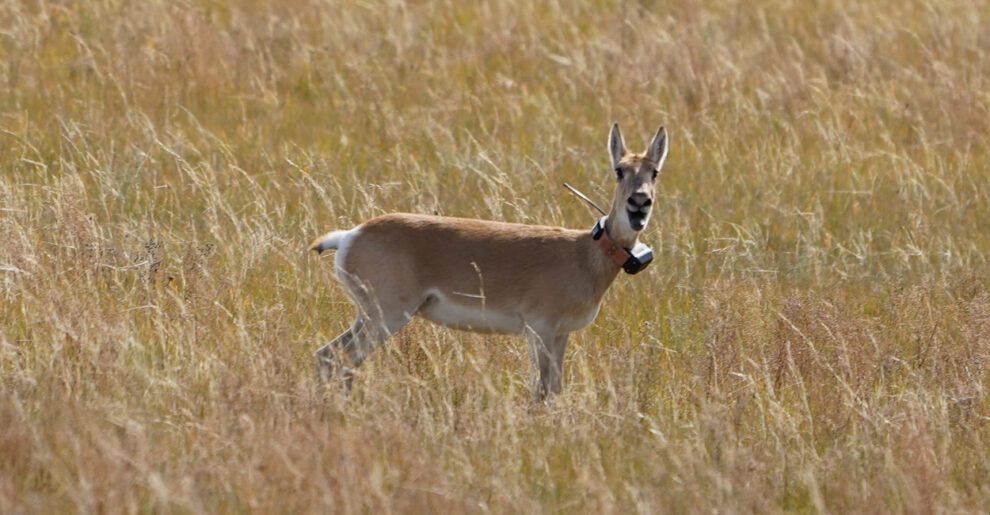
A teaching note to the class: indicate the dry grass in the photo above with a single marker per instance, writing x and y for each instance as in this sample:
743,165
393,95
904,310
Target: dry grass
814,336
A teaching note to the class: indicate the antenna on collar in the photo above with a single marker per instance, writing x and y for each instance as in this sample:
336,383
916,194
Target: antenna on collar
585,198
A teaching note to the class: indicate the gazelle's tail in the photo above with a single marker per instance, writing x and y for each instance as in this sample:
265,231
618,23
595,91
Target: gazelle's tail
330,240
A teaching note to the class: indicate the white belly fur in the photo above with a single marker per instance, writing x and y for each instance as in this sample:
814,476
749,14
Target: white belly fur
472,316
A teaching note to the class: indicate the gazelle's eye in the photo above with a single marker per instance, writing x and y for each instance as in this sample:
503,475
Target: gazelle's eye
618,173
655,172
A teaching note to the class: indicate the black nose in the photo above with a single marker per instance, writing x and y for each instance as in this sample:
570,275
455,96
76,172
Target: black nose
640,201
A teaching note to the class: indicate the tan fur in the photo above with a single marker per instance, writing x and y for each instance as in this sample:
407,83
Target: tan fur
484,276
506,267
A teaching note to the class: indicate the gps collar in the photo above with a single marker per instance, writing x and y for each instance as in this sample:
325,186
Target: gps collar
631,260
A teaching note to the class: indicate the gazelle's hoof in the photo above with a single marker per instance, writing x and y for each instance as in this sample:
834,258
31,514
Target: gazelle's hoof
330,371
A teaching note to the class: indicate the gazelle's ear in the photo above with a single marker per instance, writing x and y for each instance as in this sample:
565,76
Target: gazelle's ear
657,151
616,147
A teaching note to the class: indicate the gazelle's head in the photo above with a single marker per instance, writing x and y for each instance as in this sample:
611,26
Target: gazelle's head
636,175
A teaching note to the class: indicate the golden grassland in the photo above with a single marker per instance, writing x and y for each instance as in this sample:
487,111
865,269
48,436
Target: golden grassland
814,335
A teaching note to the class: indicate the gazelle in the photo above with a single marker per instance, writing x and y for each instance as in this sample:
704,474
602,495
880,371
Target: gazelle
545,282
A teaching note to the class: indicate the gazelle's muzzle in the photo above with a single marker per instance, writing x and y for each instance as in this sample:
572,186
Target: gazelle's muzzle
638,209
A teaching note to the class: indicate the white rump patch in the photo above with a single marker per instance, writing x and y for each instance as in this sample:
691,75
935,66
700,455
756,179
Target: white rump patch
339,240
344,240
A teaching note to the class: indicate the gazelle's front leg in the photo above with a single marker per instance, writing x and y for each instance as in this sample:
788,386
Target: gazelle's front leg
547,355
553,371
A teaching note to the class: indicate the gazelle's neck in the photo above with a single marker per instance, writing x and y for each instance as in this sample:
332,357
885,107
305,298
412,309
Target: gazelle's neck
617,225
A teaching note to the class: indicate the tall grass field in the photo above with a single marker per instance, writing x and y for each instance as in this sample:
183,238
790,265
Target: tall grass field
813,335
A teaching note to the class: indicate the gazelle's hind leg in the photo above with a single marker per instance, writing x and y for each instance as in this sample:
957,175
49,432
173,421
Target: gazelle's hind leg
366,334
374,333
328,359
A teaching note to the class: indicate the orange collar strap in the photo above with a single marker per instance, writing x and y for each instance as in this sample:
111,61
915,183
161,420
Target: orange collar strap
613,250
631,260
